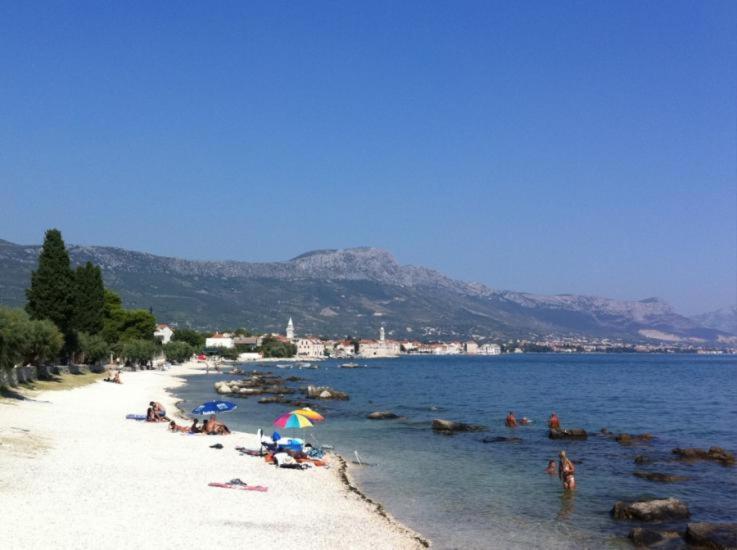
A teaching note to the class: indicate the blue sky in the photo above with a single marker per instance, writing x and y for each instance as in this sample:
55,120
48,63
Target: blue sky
553,147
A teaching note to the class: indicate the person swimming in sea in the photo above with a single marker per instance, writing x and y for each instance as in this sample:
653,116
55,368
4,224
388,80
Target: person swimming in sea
566,471
510,421
552,469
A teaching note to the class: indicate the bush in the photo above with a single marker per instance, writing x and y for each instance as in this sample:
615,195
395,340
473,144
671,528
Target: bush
23,340
138,351
271,347
94,348
177,352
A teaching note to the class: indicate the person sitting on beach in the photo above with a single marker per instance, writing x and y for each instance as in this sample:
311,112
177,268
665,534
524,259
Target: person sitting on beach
151,415
215,427
159,410
194,428
551,469
566,471
554,422
510,421
116,378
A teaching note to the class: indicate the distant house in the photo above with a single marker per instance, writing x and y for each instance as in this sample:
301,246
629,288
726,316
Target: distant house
471,347
344,349
310,347
163,333
379,348
490,349
219,340
252,341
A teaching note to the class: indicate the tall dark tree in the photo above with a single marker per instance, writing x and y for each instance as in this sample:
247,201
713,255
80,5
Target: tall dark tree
89,299
51,294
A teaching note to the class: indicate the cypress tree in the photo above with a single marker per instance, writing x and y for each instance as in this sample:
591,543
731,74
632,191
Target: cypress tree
89,299
51,294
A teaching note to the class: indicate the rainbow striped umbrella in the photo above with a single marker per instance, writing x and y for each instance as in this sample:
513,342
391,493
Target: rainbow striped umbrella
293,420
309,413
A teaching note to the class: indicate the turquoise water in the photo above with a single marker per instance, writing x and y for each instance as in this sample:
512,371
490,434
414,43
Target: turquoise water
463,493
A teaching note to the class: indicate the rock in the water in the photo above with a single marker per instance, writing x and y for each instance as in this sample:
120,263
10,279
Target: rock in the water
716,454
449,426
382,415
325,392
501,439
574,433
629,439
642,459
657,476
651,510
273,399
649,537
715,536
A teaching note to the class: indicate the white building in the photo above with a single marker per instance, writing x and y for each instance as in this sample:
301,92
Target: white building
490,349
471,347
218,340
310,347
163,333
379,348
290,329
344,348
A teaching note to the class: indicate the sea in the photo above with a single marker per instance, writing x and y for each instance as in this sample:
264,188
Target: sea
461,492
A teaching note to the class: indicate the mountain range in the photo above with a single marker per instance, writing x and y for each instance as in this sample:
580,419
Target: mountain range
354,292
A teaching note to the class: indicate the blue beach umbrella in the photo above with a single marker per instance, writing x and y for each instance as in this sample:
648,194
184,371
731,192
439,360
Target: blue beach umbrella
214,407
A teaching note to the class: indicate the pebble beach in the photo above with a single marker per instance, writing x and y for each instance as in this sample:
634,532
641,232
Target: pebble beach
74,473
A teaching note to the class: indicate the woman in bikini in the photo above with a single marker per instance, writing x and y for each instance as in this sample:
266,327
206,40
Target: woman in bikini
566,471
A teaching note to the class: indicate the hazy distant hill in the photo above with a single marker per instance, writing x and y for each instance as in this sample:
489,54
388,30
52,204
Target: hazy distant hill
724,319
353,291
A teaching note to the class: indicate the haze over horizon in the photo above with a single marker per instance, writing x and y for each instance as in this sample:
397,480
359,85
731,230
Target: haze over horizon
567,148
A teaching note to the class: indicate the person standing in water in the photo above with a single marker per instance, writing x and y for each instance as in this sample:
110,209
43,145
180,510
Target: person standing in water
566,471
510,421
554,422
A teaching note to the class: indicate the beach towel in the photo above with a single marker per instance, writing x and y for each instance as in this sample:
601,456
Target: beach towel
135,416
240,486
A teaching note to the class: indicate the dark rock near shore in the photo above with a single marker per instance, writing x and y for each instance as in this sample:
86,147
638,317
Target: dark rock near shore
642,537
659,477
573,433
716,536
501,439
642,459
274,399
449,426
629,439
716,454
294,379
382,415
651,510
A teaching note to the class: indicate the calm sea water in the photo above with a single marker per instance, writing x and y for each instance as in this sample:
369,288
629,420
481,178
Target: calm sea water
463,493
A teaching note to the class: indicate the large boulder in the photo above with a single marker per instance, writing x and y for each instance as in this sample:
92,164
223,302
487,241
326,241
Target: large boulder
382,415
657,476
573,433
651,510
715,536
649,537
325,392
717,454
450,426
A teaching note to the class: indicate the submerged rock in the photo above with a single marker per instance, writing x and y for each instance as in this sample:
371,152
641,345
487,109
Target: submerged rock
649,537
651,510
501,439
716,454
712,535
657,476
642,459
382,415
450,426
273,399
573,433
629,439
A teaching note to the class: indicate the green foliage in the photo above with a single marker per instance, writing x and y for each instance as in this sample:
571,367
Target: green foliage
138,351
241,332
195,339
228,353
178,352
112,316
94,347
89,299
137,324
51,294
272,347
25,340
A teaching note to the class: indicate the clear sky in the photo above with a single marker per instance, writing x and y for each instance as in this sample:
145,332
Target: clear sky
552,147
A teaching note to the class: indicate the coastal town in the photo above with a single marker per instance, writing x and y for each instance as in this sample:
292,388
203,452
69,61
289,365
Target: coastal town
314,347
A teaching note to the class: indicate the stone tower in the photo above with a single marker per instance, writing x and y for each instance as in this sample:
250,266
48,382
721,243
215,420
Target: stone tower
290,329
382,336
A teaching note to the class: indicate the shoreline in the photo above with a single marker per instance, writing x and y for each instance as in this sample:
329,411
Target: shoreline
74,471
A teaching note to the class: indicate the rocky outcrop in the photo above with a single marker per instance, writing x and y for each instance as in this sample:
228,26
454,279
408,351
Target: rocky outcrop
660,477
641,536
382,415
651,510
273,399
716,536
717,454
325,392
450,426
573,433
629,439
501,439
